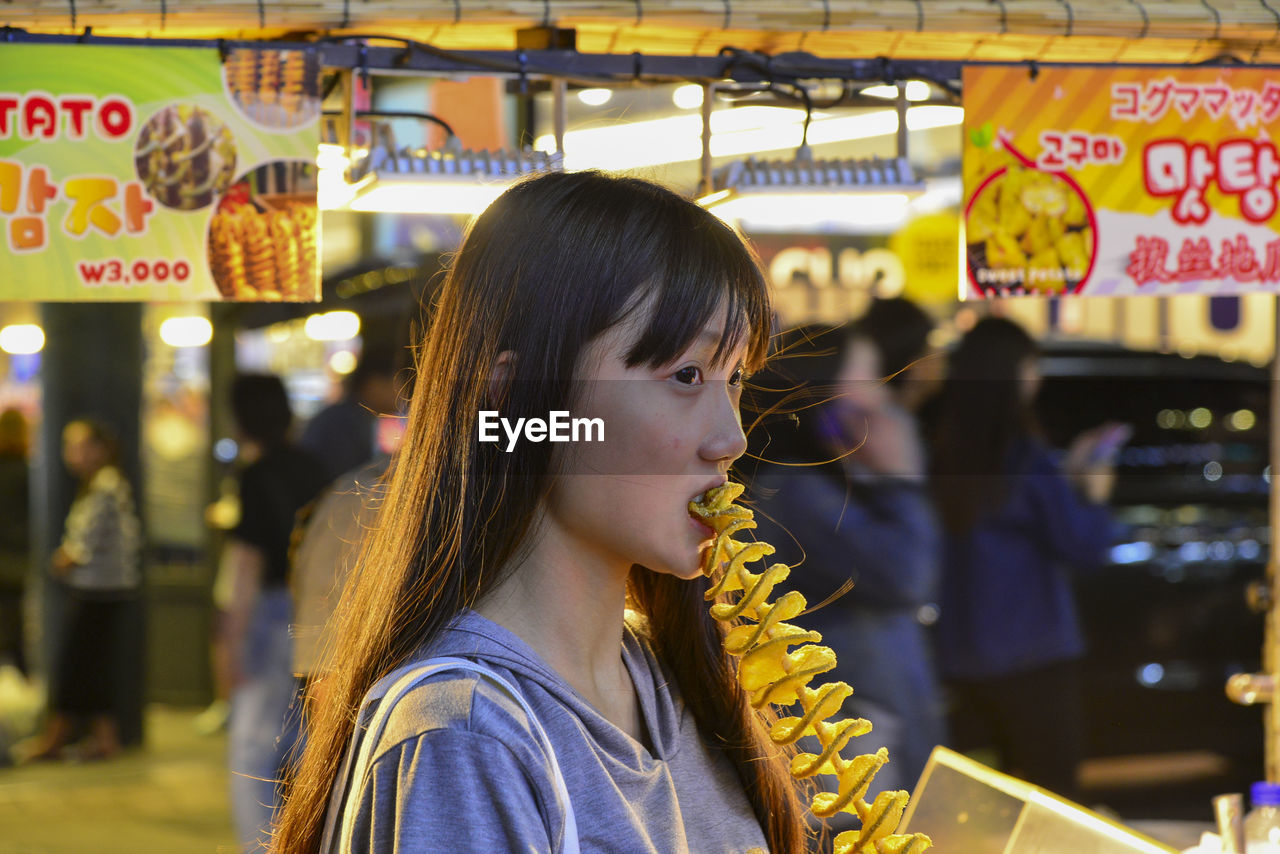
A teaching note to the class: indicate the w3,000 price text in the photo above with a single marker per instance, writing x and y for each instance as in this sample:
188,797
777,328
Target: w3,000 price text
114,271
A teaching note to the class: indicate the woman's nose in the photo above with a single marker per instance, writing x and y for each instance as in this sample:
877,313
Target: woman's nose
725,440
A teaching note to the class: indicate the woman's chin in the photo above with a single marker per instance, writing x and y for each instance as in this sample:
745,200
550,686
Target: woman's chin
693,571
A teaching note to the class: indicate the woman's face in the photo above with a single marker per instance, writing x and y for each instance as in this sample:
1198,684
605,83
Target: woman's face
1029,379
670,434
860,379
82,454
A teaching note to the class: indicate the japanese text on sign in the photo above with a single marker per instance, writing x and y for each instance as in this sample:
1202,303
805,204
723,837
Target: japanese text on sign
1150,102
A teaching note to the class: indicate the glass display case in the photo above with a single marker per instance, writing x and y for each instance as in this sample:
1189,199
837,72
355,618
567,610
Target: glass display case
967,807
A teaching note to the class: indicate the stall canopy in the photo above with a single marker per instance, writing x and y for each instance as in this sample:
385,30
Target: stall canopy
1179,31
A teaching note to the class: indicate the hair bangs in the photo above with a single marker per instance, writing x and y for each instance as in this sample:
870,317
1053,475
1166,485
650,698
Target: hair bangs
707,272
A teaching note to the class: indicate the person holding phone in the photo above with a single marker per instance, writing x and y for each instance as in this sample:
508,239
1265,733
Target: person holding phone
1017,526
838,471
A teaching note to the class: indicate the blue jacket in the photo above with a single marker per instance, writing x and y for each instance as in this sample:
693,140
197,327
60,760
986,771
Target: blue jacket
1007,601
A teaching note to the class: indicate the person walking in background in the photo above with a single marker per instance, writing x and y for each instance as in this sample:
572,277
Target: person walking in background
344,434
277,480
845,478
97,565
15,536
1017,525
327,539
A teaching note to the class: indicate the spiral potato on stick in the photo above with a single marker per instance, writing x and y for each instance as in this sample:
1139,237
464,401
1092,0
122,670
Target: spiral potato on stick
761,639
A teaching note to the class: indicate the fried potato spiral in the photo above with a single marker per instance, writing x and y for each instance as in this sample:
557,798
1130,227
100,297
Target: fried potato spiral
772,672
271,255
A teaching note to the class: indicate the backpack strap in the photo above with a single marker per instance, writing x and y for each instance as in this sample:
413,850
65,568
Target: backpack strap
390,690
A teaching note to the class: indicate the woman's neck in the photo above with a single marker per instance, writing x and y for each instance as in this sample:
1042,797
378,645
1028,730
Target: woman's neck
569,608
90,472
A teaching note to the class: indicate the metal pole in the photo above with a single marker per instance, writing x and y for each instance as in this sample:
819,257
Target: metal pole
346,121
1271,632
901,106
708,98
560,111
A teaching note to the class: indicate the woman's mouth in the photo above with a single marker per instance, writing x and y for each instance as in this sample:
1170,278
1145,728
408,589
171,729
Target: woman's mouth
704,530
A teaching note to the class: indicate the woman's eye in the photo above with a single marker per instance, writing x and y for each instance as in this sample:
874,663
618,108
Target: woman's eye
688,376
735,379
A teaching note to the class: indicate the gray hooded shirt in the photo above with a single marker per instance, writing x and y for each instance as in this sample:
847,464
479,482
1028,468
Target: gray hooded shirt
458,767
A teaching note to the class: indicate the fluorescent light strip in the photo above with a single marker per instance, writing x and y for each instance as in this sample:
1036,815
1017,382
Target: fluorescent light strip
427,194
856,210
735,132
849,209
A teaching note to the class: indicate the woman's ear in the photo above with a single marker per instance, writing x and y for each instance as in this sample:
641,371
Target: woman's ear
500,377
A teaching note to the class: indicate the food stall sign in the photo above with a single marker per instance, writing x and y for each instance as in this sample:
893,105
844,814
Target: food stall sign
158,173
1120,181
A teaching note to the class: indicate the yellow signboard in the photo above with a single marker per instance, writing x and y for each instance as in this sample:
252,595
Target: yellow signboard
1121,181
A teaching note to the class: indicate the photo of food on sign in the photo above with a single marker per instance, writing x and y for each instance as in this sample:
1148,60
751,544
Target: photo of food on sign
262,237
185,157
274,88
1027,230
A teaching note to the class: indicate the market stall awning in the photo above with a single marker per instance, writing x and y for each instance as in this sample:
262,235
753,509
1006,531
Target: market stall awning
1176,31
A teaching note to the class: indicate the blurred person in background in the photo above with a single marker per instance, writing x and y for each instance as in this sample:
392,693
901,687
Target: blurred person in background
15,536
97,566
1017,526
327,538
344,434
276,481
842,471
913,371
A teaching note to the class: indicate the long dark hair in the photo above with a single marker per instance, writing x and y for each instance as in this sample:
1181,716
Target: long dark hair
783,406
552,264
803,366
260,407
983,413
899,329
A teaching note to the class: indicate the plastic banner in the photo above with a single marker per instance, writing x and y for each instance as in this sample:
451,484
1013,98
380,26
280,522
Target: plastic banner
1120,181
158,173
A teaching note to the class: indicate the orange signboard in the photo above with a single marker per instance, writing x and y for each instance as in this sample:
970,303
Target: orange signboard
1121,181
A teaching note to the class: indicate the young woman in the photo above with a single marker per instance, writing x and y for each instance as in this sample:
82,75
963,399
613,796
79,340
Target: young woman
571,570
1017,525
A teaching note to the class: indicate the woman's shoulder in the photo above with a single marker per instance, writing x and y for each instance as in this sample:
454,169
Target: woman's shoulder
109,483
636,623
465,680
445,704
